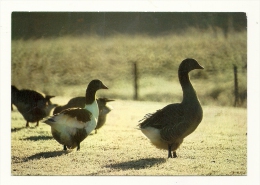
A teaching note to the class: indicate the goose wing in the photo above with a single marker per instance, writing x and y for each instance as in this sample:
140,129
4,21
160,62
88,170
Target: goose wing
72,117
80,114
171,116
23,107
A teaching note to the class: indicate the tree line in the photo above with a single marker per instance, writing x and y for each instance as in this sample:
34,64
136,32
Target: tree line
52,24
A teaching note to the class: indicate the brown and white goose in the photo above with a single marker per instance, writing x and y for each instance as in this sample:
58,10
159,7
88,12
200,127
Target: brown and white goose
103,107
167,127
71,126
31,104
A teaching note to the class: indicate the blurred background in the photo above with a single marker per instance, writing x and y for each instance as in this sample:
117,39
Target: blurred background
136,54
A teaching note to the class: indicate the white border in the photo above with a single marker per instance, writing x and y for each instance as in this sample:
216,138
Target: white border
250,7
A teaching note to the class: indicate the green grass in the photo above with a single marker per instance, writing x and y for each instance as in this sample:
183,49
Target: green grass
217,147
64,66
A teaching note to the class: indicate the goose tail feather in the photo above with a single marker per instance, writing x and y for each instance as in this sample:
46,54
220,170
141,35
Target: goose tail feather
49,120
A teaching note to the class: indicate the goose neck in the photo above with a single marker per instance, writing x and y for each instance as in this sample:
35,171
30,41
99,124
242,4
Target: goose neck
90,96
93,108
189,93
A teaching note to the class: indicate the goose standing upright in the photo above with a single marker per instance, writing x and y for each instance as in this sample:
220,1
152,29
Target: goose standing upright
71,126
167,127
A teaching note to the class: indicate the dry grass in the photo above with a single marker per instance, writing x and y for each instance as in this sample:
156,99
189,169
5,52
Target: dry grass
217,147
64,66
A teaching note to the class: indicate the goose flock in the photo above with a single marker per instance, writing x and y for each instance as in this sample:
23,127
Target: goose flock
70,124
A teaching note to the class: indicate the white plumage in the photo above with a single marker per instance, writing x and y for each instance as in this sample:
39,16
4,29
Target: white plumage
73,125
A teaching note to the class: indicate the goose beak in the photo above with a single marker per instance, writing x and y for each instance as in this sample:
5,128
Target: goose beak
49,96
200,67
103,86
109,100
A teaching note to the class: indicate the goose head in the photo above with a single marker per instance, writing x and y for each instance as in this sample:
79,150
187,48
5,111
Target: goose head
95,85
188,65
103,101
103,107
92,88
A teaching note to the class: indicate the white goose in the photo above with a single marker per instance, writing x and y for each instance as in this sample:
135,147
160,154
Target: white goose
167,127
71,126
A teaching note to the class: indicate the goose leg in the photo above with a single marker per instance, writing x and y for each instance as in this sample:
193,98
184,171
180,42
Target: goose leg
64,147
27,124
78,148
174,154
95,131
169,151
37,124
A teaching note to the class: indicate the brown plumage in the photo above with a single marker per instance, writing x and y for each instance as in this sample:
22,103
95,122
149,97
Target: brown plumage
82,115
167,127
71,126
104,109
32,105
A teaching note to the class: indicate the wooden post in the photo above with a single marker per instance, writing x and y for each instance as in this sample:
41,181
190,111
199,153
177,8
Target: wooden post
135,81
235,86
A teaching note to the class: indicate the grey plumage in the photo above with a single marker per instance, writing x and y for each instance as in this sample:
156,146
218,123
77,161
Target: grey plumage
167,127
32,105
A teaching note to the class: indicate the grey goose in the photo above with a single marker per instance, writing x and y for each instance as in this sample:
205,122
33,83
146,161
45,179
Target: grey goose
31,104
167,127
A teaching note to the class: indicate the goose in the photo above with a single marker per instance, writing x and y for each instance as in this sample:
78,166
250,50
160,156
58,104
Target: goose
104,109
49,107
71,126
167,127
32,105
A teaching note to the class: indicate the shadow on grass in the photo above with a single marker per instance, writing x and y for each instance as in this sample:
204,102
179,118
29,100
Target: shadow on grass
17,129
21,128
137,164
45,155
41,155
36,138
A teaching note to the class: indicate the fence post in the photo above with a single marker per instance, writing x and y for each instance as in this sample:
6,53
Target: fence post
135,81
235,86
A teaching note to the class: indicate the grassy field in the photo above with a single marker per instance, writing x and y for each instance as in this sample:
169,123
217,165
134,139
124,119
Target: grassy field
217,147
64,66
